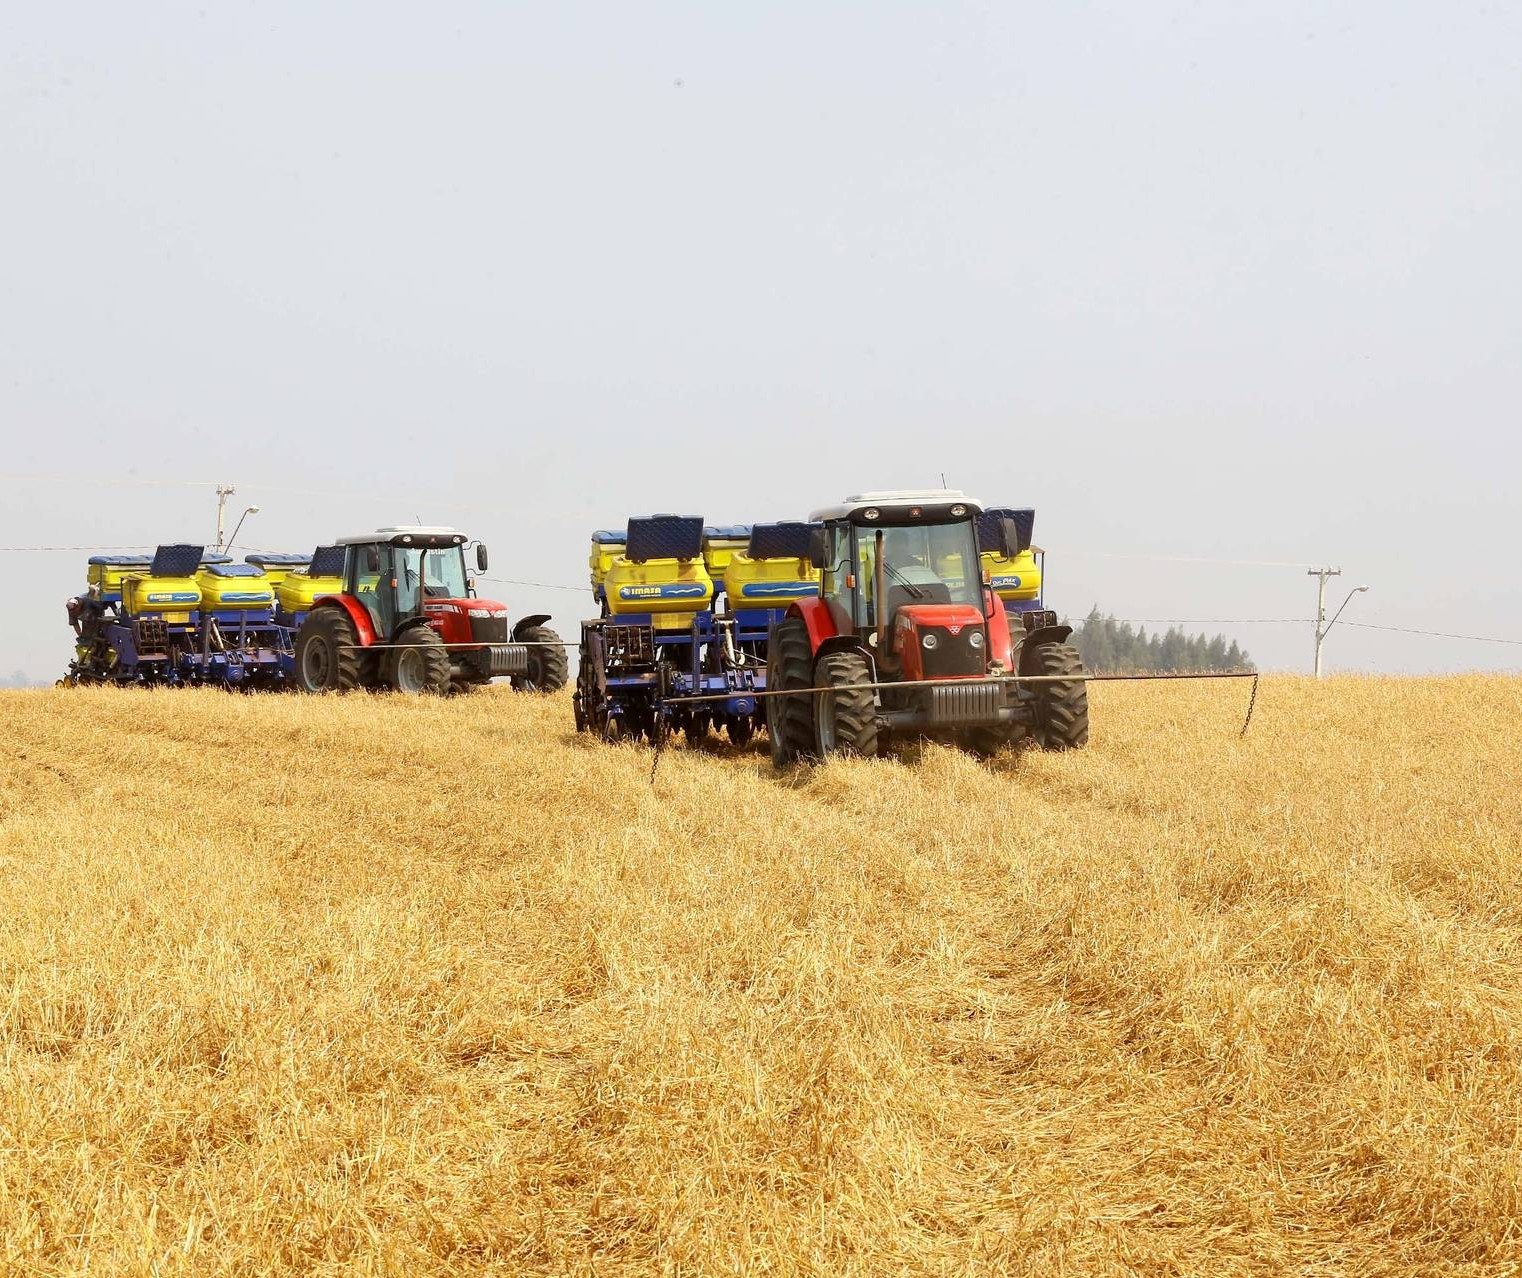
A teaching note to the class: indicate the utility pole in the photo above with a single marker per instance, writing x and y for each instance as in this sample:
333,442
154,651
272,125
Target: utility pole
224,491
1321,626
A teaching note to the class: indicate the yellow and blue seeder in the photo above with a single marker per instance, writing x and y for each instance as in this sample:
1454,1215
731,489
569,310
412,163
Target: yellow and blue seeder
183,616
685,610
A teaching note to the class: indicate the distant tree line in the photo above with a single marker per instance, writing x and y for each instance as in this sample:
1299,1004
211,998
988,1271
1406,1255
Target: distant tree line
1113,647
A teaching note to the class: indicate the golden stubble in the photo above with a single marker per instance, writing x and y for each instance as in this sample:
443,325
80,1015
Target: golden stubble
373,985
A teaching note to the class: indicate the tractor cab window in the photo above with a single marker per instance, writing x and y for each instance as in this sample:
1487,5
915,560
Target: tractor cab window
365,579
837,585
445,572
922,564
440,572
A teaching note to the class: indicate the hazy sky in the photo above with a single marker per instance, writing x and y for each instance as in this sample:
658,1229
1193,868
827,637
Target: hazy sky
1240,281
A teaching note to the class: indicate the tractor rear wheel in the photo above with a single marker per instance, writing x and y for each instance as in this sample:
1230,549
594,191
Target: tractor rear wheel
327,652
845,716
548,667
420,662
1062,709
789,665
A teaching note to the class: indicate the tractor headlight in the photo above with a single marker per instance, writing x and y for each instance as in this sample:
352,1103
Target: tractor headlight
929,641
871,512
976,638
958,511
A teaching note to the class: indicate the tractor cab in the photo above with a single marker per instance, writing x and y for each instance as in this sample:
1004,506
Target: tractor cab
901,571
402,574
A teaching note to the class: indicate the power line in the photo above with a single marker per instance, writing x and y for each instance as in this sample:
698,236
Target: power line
112,481
1183,559
542,585
1436,634
1210,621
410,501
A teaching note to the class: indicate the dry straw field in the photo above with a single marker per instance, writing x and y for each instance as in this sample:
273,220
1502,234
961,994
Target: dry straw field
367,985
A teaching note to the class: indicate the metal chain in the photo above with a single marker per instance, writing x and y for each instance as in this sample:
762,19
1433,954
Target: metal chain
1251,702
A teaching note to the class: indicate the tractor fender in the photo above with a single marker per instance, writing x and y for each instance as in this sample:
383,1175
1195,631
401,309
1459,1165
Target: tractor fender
364,627
1035,639
525,623
845,643
817,617
1001,644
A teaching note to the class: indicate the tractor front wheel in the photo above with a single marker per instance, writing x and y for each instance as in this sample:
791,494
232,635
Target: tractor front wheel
420,662
327,652
846,715
790,719
548,667
1062,709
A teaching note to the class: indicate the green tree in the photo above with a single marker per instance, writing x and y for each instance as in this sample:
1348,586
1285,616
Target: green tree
1108,646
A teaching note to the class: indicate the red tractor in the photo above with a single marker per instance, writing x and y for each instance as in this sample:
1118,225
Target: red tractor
408,618
906,639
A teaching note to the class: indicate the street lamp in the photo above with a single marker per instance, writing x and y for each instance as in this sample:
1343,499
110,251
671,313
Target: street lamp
254,510
1321,631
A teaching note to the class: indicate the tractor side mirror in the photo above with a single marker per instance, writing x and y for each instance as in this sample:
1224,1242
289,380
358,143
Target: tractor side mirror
818,548
372,558
481,559
1010,532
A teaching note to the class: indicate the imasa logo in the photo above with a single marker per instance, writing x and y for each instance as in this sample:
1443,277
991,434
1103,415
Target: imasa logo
661,592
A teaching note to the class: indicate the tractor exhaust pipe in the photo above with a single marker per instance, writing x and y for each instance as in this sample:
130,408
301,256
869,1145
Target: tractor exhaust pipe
880,592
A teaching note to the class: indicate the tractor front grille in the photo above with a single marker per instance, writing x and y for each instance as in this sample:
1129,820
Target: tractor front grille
953,654
958,703
489,629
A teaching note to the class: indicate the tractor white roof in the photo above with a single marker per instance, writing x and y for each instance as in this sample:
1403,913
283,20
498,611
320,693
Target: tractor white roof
395,532
897,499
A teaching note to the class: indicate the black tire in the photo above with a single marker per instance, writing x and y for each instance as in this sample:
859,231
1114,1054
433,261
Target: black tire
327,652
845,719
584,699
419,665
1062,709
790,720
549,669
